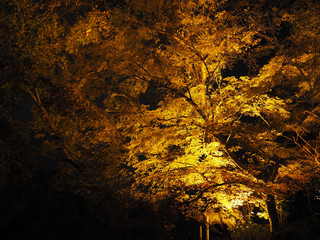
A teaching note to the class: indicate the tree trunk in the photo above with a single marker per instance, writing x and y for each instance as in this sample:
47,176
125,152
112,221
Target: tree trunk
273,216
207,228
207,232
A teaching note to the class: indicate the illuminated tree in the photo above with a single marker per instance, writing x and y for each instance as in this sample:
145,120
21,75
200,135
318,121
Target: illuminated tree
176,119
210,142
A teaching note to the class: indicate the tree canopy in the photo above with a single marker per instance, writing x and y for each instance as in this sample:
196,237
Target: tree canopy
210,105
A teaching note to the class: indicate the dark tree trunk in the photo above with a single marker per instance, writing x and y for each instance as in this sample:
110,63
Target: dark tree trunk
273,216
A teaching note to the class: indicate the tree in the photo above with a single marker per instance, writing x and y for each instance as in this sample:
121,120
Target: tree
210,134
150,97
65,117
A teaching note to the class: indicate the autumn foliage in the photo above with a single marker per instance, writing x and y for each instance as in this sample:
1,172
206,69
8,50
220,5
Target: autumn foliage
212,106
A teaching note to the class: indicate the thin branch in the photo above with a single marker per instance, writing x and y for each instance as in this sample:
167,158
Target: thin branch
37,99
176,92
204,190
